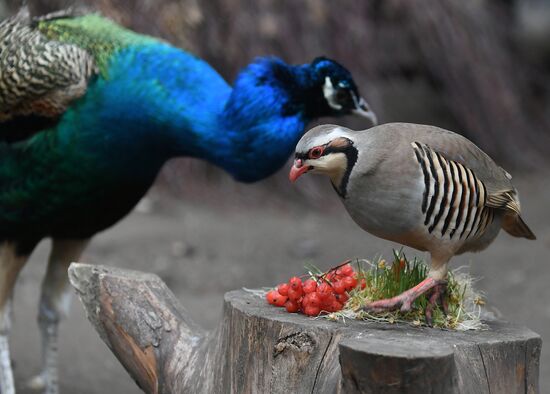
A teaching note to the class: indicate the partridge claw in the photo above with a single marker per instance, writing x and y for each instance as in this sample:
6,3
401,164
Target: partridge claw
404,301
437,297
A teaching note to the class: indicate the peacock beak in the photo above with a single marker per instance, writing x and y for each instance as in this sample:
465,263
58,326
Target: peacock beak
363,109
297,170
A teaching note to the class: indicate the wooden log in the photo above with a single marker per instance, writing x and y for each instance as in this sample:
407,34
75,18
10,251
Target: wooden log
259,348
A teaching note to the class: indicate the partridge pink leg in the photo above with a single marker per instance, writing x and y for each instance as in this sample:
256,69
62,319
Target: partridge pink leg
404,300
437,297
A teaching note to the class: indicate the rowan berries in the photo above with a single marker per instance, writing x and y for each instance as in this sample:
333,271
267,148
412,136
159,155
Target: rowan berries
327,292
310,286
283,289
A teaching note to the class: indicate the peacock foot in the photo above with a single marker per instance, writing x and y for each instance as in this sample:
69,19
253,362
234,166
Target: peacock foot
6,375
37,383
44,383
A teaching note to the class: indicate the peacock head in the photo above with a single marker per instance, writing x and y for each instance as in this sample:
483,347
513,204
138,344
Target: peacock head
338,91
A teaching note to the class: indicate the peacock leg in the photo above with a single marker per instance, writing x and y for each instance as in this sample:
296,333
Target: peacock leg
10,265
54,305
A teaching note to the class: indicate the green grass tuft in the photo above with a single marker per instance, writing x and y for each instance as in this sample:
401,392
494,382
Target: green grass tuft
388,280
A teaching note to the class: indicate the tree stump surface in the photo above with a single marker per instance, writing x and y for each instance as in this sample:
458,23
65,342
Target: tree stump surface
258,348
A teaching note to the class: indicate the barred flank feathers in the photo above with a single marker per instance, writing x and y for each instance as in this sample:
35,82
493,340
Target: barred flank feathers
454,199
462,199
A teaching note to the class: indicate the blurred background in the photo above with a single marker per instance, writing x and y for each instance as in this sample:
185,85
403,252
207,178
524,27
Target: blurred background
478,67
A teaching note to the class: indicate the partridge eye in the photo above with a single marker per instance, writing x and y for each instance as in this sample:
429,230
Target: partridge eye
316,152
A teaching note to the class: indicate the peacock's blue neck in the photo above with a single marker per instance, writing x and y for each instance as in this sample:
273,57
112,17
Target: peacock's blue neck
262,120
159,102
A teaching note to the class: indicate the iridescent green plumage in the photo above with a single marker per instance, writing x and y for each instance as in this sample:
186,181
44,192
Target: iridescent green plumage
99,36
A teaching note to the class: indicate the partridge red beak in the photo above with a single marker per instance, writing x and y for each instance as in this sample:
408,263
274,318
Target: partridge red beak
297,170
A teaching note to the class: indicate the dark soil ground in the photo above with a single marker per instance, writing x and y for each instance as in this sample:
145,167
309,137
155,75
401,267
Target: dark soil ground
201,251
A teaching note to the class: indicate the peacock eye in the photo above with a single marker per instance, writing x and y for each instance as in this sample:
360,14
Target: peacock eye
341,94
316,152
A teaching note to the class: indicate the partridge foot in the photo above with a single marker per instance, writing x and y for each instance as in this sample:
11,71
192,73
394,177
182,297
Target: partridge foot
404,300
437,297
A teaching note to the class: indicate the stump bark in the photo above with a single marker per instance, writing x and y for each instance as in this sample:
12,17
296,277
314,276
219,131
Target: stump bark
258,348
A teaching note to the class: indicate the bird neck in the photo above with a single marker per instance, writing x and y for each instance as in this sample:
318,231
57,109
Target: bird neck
263,119
340,178
173,104
171,101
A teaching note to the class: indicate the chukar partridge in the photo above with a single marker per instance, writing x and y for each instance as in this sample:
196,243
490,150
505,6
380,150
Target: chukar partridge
421,186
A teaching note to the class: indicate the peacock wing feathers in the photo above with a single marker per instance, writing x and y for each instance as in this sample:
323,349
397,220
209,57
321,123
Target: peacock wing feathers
99,36
39,77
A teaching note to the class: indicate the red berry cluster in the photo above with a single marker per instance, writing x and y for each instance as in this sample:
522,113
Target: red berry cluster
327,292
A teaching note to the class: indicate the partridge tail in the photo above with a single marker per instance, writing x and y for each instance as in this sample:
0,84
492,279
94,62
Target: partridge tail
514,225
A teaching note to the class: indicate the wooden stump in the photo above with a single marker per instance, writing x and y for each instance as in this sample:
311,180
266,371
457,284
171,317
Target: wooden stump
258,348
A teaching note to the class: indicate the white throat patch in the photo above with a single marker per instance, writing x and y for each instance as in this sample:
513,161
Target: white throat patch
330,94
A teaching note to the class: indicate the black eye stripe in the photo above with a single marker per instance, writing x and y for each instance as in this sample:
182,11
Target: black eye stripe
326,150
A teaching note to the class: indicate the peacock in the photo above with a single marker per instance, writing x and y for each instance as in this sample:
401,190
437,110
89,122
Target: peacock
89,113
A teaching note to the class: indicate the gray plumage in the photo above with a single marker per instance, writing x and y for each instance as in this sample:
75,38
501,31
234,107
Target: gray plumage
418,185
38,76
